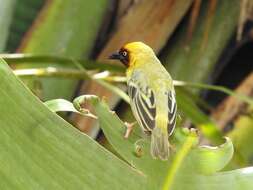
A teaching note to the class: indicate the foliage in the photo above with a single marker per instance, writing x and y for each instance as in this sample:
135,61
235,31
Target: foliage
40,150
58,152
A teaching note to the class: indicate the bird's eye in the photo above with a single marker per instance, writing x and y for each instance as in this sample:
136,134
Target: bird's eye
124,53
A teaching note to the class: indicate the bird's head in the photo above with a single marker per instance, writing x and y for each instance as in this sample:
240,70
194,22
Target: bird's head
130,53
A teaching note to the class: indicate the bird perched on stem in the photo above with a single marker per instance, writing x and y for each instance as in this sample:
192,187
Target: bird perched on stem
152,94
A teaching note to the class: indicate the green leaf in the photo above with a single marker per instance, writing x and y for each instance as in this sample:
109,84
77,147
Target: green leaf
201,120
190,166
211,161
64,105
183,59
191,169
61,33
6,13
39,150
242,138
25,13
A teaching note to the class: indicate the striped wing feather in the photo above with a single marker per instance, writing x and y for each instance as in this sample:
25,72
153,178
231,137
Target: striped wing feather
172,115
144,108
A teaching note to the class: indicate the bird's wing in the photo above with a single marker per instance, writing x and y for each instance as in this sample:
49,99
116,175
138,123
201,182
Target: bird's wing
172,114
143,104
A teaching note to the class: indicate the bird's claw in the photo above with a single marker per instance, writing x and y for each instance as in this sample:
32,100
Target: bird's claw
112,112
129,129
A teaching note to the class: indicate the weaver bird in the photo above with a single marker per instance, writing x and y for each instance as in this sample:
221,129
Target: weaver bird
152,94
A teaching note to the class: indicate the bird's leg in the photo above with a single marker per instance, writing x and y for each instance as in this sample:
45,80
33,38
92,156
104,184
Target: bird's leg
129,129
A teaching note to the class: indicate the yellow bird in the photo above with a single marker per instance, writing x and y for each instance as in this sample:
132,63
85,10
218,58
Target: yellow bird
152,94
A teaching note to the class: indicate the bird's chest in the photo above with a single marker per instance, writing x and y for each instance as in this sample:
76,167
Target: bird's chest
145,79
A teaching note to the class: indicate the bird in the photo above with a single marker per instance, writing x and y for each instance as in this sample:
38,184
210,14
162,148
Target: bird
152,95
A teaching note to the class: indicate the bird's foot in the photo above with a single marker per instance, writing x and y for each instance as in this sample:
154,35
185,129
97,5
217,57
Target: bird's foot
139,148
129,128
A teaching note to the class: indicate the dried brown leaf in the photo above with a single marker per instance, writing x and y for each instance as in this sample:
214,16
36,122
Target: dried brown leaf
231,107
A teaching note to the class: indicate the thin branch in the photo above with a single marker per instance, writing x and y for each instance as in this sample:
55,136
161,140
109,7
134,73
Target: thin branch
238,95
104,77
69,73
19,58
179,158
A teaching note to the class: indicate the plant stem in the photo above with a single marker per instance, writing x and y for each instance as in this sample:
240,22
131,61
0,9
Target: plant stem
19,58
223,89
179,158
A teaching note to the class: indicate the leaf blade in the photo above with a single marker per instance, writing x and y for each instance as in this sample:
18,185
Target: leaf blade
43,151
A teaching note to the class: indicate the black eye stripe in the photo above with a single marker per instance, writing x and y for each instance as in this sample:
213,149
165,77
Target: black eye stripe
124,56
123,52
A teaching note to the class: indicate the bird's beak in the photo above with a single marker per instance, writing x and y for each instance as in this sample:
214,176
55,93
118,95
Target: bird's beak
119,57
115,55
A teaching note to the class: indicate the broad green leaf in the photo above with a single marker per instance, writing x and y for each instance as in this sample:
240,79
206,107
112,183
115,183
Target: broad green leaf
190,166
39,150
199,168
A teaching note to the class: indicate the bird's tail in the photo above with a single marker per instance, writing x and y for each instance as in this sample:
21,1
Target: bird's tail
159,143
